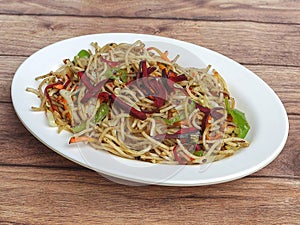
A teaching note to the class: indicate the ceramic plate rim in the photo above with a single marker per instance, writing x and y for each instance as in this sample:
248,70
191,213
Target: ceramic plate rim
22,100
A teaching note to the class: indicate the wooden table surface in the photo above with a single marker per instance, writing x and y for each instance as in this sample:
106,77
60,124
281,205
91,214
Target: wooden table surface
38,186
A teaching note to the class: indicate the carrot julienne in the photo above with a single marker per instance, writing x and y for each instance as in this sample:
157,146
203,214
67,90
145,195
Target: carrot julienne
137,103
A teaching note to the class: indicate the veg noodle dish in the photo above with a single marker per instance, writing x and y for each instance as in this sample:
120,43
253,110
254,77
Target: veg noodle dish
135,102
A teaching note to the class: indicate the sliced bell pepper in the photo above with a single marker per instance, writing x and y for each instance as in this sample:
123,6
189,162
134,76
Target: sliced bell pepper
79,127
239,119
83,54
102,112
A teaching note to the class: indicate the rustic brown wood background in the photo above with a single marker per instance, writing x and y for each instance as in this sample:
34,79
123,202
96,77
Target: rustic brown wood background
37,186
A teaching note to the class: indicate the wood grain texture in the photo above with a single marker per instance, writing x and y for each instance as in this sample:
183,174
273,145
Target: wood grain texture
288,89
38,186
84,197
19,147
271,11
29,151
275,44
287,164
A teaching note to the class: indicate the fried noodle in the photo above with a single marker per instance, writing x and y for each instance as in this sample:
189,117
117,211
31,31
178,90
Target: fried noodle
136,103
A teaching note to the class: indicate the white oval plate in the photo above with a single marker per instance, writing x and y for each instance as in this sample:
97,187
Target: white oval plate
264,110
